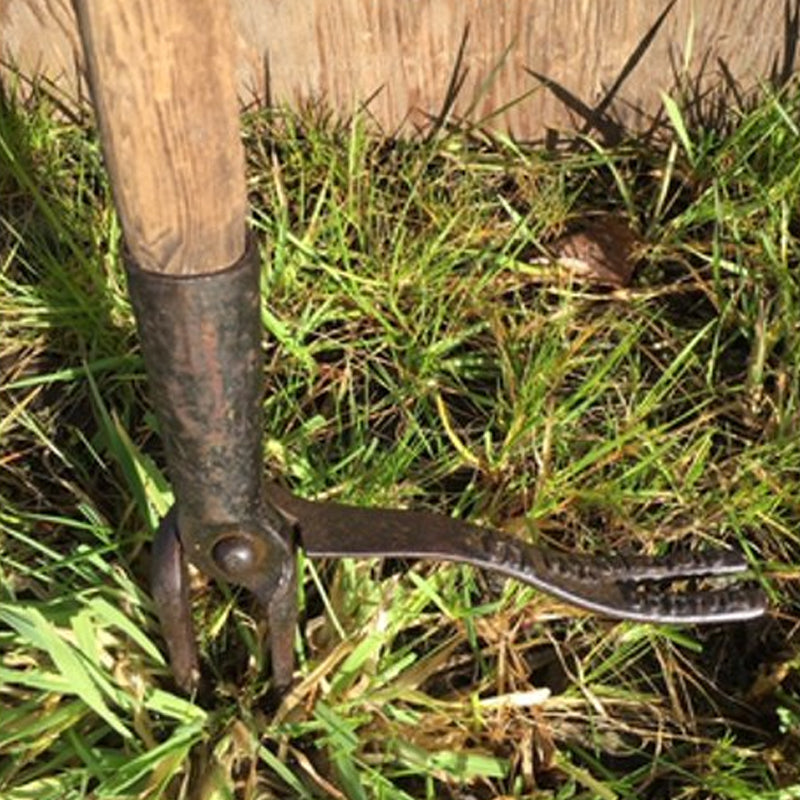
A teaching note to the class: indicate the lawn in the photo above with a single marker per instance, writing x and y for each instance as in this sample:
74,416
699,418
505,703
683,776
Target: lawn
422,352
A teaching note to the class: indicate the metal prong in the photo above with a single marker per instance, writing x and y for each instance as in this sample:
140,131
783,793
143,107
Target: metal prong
170,586
714,563
729,604
279,604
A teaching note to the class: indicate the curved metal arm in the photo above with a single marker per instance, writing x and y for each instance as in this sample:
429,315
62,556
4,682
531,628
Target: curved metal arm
636,587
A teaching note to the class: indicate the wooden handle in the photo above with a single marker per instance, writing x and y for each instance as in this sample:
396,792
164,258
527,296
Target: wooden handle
162,78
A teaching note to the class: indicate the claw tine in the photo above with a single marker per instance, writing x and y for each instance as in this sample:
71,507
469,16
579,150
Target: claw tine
170,587
730,604
280,605
670,567
686,565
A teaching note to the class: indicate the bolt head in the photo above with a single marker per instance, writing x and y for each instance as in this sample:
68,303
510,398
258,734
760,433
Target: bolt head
235,556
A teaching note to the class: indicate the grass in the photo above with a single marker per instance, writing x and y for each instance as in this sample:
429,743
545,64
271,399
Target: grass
418,356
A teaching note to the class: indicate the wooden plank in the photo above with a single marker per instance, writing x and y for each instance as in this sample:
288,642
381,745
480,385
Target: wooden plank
162,78
402,55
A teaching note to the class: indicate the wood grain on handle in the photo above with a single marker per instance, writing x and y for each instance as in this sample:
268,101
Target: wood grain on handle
162,80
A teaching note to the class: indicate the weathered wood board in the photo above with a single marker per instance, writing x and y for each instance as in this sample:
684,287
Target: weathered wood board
571,64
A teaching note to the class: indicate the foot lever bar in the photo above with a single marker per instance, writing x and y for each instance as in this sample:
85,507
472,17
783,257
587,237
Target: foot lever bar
671,589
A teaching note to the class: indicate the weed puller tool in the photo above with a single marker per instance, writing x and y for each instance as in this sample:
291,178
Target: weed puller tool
162,84
202,350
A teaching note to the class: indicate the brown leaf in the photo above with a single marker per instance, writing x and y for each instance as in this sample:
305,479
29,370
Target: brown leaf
600,250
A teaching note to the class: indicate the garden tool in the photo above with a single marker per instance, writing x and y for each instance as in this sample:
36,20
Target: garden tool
162,82
201,341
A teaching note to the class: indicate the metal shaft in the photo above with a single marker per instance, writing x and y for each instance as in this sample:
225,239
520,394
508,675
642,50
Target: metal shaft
201,341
